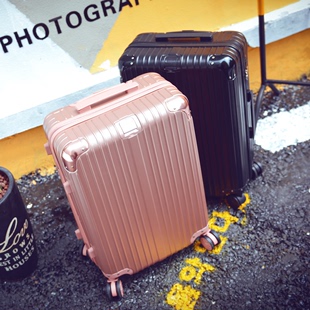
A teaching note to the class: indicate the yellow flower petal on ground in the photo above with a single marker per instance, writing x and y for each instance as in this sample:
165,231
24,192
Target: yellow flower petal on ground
182,297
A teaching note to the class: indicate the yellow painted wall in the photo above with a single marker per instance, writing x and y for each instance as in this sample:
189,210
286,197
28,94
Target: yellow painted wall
286,59
24,153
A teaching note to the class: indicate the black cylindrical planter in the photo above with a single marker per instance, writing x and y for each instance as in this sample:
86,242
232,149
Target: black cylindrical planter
18,252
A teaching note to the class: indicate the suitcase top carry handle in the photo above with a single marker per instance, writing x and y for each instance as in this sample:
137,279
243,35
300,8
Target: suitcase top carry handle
199,36
105,95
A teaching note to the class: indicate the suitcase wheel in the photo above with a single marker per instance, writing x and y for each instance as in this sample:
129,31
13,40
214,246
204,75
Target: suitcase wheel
257,170
209,240
115,290
235,201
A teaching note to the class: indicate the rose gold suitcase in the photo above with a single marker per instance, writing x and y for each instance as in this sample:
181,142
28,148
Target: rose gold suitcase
128,160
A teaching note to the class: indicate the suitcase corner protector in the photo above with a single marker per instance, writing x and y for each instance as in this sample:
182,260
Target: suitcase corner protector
78,234
91,253
199,233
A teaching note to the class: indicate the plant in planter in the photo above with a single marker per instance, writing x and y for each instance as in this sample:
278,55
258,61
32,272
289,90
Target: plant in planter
18,253
4,184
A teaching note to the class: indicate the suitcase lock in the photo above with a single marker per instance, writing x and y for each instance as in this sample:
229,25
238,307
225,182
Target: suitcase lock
128,127
170,63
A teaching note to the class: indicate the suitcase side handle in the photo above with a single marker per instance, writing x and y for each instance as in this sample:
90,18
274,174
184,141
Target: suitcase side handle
105,95
186,35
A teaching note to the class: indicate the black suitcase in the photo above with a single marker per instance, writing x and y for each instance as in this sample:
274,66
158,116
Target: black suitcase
210,68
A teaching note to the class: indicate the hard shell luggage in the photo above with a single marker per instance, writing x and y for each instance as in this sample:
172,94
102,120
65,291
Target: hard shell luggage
129,163
211,69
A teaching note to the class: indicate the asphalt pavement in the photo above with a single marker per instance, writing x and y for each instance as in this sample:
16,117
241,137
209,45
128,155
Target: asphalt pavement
261,263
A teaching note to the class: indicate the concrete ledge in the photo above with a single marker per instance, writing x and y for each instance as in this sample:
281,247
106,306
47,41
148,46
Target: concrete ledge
279,24
34,117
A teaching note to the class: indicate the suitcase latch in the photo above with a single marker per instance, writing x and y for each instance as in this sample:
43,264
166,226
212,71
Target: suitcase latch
128,126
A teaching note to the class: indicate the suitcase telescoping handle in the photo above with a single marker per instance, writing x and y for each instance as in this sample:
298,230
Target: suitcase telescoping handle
185,35
105,96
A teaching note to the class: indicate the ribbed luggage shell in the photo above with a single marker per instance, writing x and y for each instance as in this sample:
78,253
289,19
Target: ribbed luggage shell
212,73
138,197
